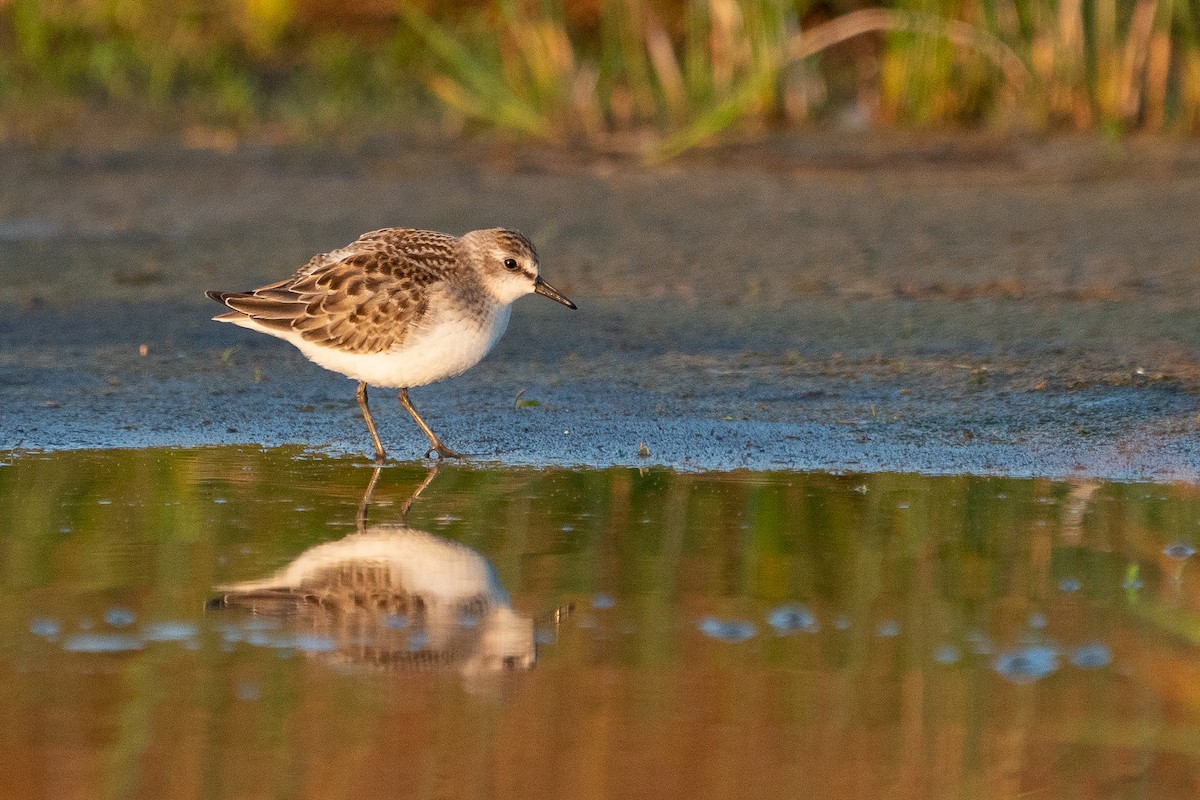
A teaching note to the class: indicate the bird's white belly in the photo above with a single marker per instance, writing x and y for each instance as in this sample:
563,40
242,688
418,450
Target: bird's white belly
450,347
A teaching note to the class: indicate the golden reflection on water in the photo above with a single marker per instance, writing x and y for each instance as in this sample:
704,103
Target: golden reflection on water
735,635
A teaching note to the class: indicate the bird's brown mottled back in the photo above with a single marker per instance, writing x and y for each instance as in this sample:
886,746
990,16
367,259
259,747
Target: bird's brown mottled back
362,298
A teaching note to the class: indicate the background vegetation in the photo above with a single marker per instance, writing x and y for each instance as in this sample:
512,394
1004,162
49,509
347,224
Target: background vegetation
653,77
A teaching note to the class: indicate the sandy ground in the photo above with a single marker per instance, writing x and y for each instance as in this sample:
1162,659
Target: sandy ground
930,304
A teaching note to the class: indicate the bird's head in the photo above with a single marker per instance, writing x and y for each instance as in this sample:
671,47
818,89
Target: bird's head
508,265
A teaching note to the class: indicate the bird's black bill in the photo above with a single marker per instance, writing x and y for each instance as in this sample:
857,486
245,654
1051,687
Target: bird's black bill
546,290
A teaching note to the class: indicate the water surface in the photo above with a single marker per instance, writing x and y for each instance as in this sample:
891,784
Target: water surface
590,634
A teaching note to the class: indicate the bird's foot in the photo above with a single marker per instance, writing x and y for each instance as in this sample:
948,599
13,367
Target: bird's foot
444,452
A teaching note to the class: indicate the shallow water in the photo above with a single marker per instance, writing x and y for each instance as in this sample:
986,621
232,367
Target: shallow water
606,633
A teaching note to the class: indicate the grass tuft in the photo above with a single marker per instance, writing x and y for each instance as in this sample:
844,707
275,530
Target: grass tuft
627,75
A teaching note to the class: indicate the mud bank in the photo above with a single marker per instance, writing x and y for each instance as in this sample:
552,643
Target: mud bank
942,308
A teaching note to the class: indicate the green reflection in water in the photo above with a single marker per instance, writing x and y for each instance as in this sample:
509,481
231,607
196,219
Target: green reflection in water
766,635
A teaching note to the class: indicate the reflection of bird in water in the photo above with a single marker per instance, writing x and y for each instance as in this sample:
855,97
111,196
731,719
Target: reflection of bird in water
1073,509
394,597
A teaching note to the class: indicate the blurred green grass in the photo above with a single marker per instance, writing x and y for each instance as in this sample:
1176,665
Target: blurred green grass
653,78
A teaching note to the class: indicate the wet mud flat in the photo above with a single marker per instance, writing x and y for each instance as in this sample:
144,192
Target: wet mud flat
943,306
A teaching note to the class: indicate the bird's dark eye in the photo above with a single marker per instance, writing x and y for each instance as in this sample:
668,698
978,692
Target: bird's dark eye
510,263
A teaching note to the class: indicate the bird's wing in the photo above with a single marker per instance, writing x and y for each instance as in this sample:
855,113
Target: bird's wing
363,298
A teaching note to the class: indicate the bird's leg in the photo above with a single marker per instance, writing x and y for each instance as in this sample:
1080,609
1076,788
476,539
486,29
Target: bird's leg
438,447
360,520
361,394
408,504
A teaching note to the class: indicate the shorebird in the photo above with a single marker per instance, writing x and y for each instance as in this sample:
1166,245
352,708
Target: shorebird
398,308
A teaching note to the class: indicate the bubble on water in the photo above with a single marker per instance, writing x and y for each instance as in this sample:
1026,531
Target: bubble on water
947,654
792,617
118,617
45,627
567,528
220,501
888,628
603,601
1070,585
1027,664
1091,656
102,643
104,502
1179,551
65,529
902,506
248,692
1037,620
169,631
735,630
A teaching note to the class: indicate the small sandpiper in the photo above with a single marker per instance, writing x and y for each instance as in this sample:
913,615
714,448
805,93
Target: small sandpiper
398,308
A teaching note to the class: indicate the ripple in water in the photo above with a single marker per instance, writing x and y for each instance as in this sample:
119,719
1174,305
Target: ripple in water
792,617
603,601
118,617
308,642
1027,664
1070,585
947,654
44,627
1091,656
735,630
169,631
1179,551
888,628
102,643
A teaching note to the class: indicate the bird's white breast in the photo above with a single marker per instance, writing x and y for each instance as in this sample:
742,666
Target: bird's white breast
448,345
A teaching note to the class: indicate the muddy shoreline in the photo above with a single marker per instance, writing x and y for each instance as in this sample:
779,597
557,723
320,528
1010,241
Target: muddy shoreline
936,306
